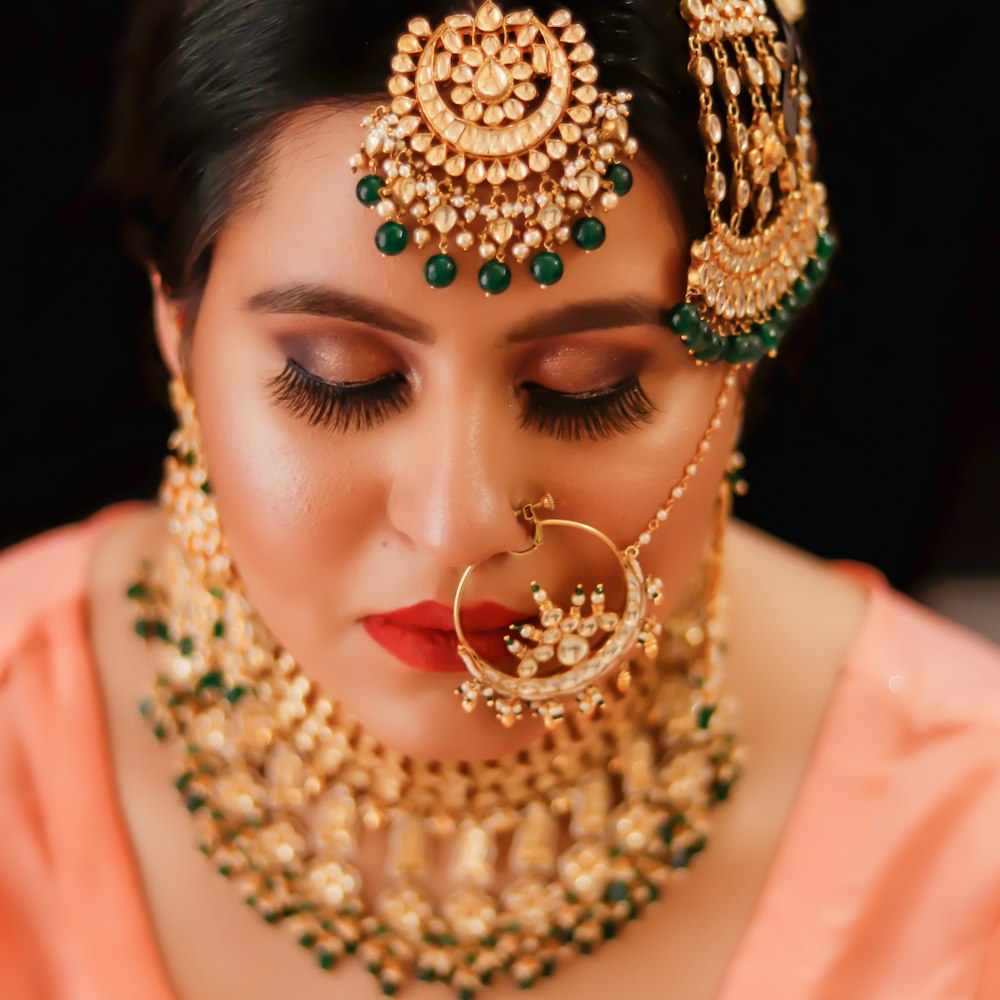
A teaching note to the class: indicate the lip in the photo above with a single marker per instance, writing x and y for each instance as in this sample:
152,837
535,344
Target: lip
423,635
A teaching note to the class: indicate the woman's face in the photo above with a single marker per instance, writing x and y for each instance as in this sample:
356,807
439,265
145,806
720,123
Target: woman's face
346,507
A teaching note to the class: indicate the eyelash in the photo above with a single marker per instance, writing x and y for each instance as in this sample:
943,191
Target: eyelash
595,415
346,406
341,406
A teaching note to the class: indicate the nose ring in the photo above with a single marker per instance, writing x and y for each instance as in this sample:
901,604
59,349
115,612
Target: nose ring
529,514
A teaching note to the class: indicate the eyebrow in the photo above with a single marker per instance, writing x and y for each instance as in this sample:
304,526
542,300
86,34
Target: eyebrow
322,300
579,317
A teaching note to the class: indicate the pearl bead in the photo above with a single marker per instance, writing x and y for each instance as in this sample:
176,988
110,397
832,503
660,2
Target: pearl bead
716,423
464,241
644,538
677,492
661,515
691,469
357,160
609,200
386,209
487,250
519,251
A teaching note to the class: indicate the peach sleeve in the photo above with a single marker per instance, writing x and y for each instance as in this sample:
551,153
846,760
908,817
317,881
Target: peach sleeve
886,884
72,919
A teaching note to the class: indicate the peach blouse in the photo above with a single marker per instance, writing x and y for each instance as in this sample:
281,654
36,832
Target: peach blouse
885,886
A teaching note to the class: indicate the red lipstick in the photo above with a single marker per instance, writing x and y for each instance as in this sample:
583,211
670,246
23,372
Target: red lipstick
423,635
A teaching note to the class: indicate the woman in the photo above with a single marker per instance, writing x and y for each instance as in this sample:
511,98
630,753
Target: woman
521,495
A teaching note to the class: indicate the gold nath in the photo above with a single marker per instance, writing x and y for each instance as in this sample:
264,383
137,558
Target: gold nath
496,136
549,853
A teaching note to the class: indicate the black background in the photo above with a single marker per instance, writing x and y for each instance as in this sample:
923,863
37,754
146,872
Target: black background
878,441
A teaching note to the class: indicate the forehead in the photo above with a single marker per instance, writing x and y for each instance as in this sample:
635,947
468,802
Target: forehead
306,225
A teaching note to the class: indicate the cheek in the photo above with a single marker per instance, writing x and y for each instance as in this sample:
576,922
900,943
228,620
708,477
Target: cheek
622,496
298,503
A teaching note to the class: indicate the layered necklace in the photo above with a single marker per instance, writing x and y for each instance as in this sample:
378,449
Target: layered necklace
509,866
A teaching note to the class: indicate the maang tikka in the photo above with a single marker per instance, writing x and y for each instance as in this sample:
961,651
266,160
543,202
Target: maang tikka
496,136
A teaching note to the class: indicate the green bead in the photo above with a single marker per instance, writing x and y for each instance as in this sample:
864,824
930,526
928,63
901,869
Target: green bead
817,270
781,318
494,277
326,960
705,714
616,892
368,189
683,318
609,929
791,303
194,802
391,238
770,335
143,629
137,591
680,859
546,268
218,628
146,707
744,348
588,233
826,246
713,351
233,695
213,679
720,791
186,646
803,289
700,336
621,177
440,270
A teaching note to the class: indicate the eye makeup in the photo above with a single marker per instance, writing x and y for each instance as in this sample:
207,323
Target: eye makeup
339,406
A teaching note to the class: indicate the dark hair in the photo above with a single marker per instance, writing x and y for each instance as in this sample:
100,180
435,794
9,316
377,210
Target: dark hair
207,83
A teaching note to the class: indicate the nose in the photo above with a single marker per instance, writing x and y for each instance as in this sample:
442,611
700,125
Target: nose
457,482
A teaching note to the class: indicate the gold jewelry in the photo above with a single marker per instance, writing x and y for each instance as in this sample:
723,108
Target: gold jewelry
496,135
589,646
750,276
552,851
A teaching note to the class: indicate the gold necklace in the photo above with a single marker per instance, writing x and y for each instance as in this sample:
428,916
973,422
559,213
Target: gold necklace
551,851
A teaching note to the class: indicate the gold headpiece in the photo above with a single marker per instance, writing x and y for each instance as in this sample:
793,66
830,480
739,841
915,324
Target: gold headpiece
482,105
768,245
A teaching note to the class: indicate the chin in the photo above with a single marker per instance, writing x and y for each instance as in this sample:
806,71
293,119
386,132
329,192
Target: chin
427,722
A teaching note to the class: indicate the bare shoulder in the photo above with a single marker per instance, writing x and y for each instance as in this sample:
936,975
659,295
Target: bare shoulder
120,551
116,562
788,602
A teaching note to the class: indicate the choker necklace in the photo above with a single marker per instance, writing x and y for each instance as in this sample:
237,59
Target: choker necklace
547,853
